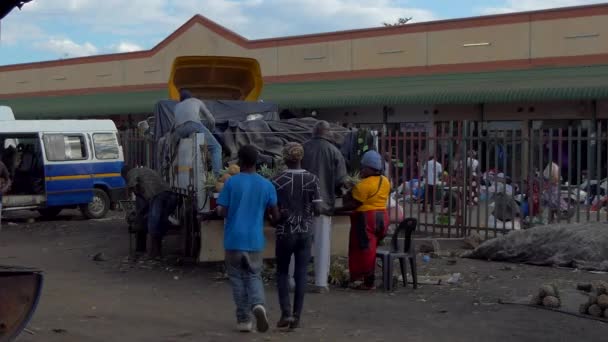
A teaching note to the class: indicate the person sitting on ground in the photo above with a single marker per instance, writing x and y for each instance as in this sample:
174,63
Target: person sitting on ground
188,113
298,197
155,201
369,221
243,201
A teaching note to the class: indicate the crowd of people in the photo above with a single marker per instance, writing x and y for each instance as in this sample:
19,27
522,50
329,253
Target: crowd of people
299,202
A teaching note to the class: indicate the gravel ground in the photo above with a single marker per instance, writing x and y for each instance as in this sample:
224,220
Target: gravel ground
120,300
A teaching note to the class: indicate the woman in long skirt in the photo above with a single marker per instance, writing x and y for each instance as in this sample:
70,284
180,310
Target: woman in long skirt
369,221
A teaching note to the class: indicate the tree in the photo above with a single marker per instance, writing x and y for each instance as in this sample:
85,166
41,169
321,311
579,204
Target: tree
400,21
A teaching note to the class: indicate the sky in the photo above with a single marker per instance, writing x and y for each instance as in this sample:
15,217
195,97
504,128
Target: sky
59,29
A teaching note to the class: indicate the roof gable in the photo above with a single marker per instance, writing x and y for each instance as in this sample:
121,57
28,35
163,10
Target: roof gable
501,19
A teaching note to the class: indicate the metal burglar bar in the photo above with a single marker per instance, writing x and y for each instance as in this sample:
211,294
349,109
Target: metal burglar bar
136,148
525,177
513,164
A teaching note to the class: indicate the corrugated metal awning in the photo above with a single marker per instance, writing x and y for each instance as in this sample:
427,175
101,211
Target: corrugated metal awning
491,87
546,84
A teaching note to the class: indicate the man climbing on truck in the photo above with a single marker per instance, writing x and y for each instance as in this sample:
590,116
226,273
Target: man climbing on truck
192,116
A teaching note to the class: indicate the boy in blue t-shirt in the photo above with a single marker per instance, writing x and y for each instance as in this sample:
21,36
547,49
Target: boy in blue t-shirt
243,202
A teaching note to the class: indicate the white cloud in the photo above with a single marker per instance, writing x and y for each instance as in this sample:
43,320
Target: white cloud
66,48
126,47
530,5
312,16
13,32
70,28
250,18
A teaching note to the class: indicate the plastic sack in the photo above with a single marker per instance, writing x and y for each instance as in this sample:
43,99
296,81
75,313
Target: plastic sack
498,224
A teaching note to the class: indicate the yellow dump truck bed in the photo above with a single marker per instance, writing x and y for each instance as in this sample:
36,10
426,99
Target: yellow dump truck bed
216,78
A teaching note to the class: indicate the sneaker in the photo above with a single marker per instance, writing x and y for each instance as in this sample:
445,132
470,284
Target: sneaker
284,322
244,327
261,319
295,323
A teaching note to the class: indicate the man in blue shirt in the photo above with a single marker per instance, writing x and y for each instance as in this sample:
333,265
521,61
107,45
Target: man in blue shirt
243,202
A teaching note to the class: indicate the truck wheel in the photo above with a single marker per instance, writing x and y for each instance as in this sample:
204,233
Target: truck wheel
99,206
49,213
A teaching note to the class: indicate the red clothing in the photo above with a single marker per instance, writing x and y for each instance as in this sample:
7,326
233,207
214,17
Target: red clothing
362,249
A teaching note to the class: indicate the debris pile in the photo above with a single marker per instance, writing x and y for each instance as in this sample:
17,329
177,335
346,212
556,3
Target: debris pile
548,296
597,304
580,246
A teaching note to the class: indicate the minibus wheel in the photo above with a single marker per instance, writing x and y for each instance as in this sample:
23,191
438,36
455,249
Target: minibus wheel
99,206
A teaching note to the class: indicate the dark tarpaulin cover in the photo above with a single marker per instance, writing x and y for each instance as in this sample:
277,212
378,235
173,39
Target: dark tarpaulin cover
268,135
223,111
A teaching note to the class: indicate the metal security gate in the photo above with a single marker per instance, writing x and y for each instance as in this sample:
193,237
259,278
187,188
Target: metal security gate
137,149
533,174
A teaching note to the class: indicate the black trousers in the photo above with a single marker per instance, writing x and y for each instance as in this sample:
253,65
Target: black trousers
429,197
286,246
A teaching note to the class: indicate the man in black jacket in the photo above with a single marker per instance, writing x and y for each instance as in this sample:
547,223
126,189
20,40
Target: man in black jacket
324,160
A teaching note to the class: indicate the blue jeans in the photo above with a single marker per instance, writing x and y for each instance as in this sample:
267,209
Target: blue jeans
161,206
215,149
286,246
244,270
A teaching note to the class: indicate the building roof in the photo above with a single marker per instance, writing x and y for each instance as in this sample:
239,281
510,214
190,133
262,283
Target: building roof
565,77
564,83
481,21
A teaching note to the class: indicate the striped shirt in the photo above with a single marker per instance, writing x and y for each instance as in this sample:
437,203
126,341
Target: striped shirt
148,181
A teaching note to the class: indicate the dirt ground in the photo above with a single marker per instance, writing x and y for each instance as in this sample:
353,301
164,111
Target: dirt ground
114,300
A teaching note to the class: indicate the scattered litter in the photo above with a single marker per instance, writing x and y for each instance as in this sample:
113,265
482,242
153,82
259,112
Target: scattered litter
175,278
454,279
100,257
587,287
11,224
60,331
424,249
29,331
426,258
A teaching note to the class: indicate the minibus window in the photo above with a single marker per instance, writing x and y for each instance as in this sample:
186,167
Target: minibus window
59,147
106,146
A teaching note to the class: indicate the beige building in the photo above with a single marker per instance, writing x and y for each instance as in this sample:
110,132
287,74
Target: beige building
541,65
